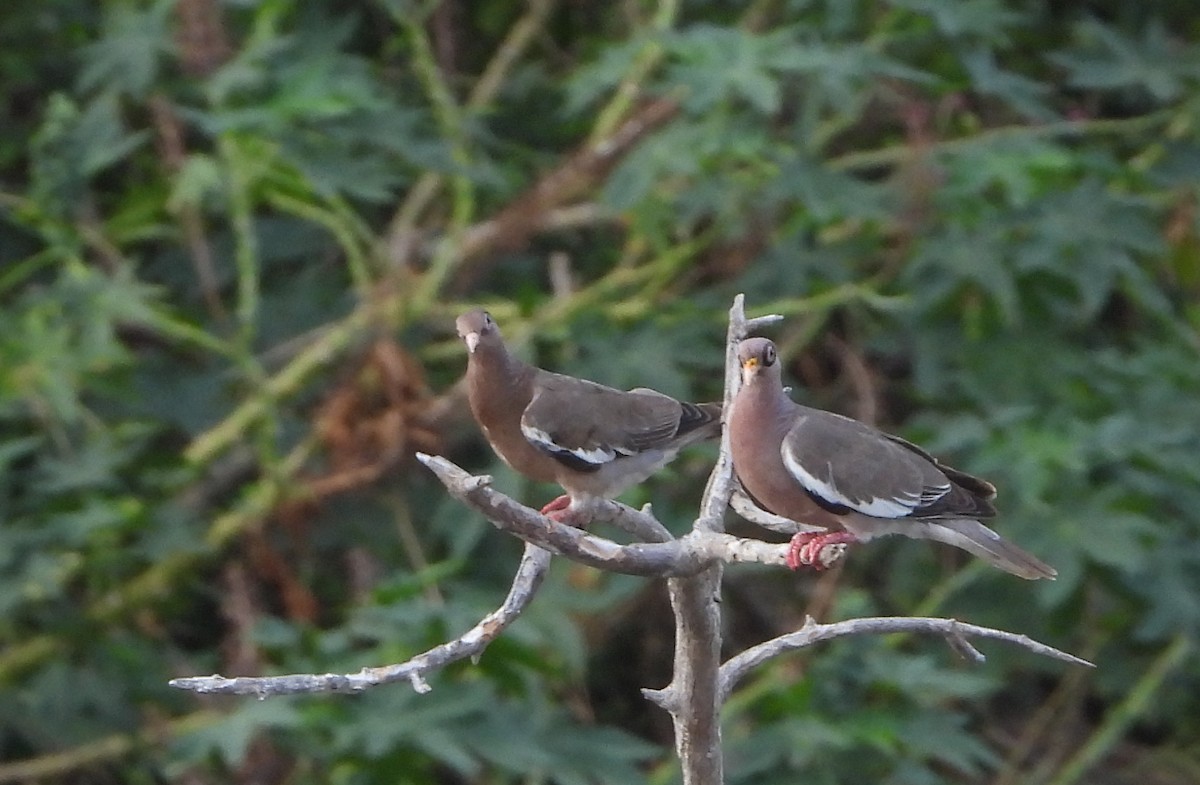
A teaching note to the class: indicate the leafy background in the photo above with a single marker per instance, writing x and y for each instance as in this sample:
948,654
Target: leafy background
234,236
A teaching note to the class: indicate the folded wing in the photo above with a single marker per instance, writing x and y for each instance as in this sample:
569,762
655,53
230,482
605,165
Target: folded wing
846,465
585,425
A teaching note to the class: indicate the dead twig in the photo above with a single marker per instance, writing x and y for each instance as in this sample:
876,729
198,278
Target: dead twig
741,503
472,643
955,632
661,557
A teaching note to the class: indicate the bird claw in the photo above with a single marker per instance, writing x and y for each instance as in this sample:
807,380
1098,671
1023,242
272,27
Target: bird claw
818,550
565,511
554,505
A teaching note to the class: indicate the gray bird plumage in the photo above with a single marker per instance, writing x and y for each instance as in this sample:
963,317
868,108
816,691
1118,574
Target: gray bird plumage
593,440
831,471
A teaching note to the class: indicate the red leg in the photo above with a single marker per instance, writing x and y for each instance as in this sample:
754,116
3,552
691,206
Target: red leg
561,510
807,549
561,503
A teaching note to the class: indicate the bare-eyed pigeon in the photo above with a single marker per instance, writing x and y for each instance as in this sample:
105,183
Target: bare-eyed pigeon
824,469
594,441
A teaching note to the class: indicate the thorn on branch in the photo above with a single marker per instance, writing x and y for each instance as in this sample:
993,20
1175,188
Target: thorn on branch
665,699
962,646
419,685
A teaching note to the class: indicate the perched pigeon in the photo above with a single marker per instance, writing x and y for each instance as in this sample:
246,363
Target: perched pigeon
857,482
592,440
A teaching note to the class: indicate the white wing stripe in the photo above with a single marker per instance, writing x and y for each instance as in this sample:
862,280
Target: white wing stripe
597,455
933,493
827,490
928,494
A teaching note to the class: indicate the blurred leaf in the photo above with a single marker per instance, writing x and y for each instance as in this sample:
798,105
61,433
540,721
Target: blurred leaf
73,145
1021,93
716,63
230,737
125,59
1106,59
984,19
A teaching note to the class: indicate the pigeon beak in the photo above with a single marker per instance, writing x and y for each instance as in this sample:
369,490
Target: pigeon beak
472,340
749,369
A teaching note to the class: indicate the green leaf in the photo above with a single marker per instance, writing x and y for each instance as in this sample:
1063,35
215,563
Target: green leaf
1107,59
986,20
126,57
230,737
1023,94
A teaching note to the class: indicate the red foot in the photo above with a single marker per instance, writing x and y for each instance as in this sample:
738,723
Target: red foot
807,549
560,510
563,516
561,503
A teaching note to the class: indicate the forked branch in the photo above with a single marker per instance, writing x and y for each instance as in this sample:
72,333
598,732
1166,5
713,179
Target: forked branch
662,556
956,633
528,579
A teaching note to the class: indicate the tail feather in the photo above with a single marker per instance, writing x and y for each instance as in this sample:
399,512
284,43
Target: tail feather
974,537
699,421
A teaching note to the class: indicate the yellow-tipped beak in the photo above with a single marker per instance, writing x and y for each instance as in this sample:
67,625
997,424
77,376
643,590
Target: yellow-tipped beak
749,369
472,340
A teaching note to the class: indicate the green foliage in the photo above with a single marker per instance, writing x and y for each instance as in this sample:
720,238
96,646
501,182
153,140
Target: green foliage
220,222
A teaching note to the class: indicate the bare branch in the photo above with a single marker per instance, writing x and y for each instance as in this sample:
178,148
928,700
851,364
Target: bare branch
954,631
744,506
663,557
656,559
692,697
472,643
752,326
965,649
640,523
719,547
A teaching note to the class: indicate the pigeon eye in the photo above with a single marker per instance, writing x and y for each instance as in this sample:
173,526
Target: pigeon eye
769,356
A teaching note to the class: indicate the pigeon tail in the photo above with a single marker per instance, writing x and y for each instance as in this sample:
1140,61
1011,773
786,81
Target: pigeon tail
974,537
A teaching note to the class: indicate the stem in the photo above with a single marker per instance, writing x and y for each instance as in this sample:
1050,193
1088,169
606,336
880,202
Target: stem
245,254
507,54
1123,715
890,156
356,255
325,349
646,60
450,117
57,764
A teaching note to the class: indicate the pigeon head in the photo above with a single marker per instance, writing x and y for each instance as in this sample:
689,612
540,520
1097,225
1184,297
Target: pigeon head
758,358
476,327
